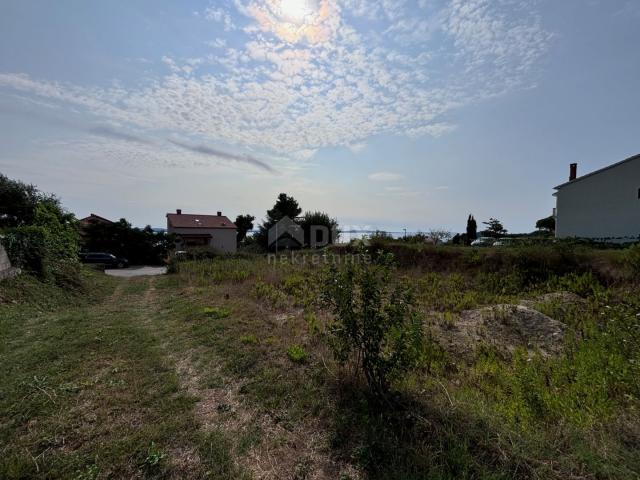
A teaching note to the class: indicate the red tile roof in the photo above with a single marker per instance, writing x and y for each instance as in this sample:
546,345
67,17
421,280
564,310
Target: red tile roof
93,218
187,220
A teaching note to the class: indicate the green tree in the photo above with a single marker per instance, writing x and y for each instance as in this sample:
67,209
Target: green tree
494,228
472,229
285,206
319,219
548,224
18,202
244,224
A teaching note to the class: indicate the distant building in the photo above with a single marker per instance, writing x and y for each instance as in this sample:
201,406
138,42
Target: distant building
602,205
215,231
93,219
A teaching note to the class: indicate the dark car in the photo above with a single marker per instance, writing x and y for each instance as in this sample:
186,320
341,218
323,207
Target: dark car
106,259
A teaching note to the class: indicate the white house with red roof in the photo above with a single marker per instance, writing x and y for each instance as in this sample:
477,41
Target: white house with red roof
215,231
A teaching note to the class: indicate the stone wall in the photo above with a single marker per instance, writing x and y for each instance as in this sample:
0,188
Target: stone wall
6,270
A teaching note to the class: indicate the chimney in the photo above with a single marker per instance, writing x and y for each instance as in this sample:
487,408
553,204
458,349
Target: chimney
573,171
219,214
178,211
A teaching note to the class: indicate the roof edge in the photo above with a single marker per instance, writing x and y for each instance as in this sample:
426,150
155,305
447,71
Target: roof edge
600,170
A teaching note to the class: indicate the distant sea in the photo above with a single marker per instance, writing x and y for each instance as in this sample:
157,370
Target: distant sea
345,235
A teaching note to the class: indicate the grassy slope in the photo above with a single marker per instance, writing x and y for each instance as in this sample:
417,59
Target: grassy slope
221,372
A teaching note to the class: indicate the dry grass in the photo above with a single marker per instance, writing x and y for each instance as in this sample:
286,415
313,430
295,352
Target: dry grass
191,376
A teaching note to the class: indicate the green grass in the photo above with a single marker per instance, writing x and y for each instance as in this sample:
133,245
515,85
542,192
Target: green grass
223,369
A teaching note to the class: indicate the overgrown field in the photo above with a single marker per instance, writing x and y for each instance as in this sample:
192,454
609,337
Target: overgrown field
529,368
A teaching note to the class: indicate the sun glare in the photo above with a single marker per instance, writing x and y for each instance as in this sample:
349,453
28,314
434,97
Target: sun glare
295,11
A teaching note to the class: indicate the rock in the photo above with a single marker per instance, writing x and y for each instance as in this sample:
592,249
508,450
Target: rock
504,327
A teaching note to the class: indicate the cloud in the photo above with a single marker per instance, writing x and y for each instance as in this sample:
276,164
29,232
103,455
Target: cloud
110,132
214,152
219,15
385,177
294,83
357,147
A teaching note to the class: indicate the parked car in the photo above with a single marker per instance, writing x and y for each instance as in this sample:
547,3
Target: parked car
503,242
483,242
101,258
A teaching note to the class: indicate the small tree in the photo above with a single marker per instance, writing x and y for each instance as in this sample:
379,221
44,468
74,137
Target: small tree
494,228
439,236
472,229
547,224
376,325
244,224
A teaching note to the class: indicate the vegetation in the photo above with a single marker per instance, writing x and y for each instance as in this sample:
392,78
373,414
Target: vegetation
376,328
141,246
472,229
494,228
244,224
314,236
400,361
287,206
547,224
39,235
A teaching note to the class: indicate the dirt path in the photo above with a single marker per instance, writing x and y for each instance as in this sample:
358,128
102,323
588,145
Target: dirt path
279,454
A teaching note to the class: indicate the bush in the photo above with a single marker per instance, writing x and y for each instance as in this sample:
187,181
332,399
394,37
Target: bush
47,249
632,259
375,324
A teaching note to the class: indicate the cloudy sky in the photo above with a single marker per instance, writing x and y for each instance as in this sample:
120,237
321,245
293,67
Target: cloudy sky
385,113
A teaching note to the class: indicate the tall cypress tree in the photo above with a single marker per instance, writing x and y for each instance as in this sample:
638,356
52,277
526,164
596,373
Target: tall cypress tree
472,229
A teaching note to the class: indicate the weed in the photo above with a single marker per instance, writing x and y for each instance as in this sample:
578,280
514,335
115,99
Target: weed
297,354
249,339
154,457
91,472
313,324
266,291
216,312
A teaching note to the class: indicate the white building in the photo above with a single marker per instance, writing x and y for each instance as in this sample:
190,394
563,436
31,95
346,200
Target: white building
602,205
215,231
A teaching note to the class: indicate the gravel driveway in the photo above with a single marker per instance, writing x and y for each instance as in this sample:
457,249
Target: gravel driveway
136,271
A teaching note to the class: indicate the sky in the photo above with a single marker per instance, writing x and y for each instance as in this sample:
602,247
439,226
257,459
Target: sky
385,114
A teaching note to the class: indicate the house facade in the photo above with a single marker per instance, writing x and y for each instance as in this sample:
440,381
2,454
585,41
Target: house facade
602,205
215,231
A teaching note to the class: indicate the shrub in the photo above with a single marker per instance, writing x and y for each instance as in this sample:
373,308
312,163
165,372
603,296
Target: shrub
48,245
375,324
632,259
297,354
